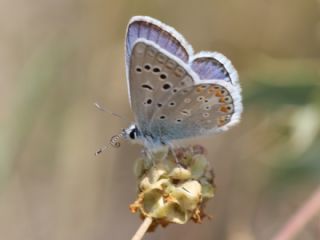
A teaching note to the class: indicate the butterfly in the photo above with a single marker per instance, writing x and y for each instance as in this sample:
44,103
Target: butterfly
174,93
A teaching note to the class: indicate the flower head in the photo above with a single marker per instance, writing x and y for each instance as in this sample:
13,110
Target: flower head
174,186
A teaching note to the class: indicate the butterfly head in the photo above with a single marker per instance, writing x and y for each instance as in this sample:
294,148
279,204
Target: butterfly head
132,133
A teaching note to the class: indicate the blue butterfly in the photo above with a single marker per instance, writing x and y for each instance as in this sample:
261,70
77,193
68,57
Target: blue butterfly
174,93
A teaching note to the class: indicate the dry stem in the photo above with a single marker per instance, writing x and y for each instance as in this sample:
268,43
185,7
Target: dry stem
142,229
295,224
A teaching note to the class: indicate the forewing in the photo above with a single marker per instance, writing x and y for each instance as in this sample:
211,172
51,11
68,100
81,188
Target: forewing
155,75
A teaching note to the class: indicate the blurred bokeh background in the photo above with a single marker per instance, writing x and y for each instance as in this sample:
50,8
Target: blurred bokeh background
58,57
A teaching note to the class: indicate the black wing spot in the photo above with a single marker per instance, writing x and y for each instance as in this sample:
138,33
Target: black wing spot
172,104
138,69
163,76
147,67
200,98
147,87
156,70
166,86
149,101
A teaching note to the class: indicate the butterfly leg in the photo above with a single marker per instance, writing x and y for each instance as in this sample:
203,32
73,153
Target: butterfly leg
146,154
148,157
173,152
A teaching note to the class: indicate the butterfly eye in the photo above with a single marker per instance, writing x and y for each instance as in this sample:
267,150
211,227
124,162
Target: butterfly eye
179,120
133,134
162,117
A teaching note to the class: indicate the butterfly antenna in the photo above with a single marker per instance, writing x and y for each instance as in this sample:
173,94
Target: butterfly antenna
103,109
114,142
100,150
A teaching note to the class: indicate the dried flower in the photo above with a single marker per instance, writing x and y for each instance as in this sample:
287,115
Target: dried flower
171,192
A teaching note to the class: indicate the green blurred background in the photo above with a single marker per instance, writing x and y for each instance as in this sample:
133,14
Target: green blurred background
57,57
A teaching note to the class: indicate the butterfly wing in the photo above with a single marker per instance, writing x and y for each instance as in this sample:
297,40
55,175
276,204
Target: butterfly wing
194,111
173,93
154,78
214,65
148,42
211,104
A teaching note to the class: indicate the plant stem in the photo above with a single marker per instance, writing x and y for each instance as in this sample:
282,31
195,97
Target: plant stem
295,224
142,229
